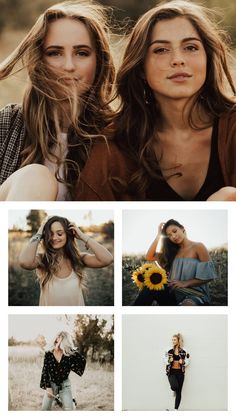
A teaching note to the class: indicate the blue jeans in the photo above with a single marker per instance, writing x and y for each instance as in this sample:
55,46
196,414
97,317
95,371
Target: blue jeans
64,391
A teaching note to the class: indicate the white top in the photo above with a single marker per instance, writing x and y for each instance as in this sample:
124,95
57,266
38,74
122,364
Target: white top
60,148
62,292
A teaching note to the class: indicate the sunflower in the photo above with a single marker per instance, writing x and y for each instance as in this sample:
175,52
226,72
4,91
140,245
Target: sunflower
155,278
138,277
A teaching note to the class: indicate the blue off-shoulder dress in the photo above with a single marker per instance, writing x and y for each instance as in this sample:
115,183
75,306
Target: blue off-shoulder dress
183,269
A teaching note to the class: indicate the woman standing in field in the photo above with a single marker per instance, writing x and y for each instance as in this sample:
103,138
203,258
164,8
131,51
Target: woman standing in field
58,362
176,359
177,119
60,267
188,266
46,143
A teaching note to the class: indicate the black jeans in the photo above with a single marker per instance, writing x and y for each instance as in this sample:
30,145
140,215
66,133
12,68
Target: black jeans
176,380
163,298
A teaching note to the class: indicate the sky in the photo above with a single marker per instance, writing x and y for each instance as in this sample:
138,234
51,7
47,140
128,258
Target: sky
81,217
140,227
28,327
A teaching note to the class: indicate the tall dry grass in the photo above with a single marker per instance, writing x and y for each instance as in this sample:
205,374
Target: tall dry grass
93,391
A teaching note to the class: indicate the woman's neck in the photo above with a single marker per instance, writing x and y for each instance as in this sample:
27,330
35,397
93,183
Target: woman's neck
176,113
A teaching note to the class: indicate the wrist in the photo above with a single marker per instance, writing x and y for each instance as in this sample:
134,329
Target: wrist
36,238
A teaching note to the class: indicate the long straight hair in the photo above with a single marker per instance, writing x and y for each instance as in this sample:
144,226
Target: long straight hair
139,115
45,98
168,249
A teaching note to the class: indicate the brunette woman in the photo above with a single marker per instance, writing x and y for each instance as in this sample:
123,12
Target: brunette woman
177,118
60,266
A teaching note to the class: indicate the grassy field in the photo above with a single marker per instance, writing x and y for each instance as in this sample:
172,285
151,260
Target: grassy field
218,287
93,391
24,288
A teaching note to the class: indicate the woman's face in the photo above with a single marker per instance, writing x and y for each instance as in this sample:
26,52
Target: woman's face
175,234
175,341
176,62
58,236
70,52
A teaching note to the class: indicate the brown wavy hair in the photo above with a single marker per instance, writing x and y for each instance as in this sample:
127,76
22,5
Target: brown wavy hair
48,263
139,115
45,98
168,249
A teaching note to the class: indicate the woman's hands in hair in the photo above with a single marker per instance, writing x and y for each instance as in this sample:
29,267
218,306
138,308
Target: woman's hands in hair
40,230
77,232
160,229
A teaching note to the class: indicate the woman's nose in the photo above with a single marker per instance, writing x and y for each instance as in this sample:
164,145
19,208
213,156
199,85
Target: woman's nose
177,58
69,64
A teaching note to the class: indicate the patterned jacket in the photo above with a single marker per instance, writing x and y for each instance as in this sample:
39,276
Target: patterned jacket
168,359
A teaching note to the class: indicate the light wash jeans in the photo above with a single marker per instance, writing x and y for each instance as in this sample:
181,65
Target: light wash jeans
64,391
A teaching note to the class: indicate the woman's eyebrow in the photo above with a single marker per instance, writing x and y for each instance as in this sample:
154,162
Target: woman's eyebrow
165,41
74,46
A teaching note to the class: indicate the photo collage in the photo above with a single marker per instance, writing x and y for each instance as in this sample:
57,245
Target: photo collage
118,203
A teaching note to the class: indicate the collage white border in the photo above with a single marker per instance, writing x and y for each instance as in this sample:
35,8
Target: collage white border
118,310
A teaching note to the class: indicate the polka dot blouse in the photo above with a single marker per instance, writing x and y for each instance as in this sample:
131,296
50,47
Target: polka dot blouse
59,371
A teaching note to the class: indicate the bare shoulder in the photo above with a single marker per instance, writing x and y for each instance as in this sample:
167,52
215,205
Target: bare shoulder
201,251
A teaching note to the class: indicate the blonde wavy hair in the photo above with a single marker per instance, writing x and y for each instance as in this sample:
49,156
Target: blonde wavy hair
45,97
180,339
67,344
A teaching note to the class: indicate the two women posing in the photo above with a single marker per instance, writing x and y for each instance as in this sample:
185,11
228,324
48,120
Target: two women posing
173,136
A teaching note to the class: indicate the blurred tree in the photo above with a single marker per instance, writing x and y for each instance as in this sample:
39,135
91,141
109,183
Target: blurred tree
35,219
12,341
90,334
108,230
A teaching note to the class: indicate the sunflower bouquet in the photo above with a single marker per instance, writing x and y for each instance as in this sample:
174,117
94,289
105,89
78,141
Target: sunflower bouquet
150,275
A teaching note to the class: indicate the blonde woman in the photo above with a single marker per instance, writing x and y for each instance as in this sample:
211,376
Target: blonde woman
59,361
176,359
46,143
177,118
60,266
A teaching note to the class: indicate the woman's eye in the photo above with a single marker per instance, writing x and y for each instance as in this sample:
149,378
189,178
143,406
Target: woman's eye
82,53
160,50
53,53
191,48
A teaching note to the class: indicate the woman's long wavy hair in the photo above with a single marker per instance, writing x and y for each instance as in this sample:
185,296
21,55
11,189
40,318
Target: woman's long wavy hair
67,344
168,249
139,114
45,98
48,264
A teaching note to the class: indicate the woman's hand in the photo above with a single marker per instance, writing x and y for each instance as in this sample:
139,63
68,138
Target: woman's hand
77,232
40,230
181,361
160,228
50,393
177,284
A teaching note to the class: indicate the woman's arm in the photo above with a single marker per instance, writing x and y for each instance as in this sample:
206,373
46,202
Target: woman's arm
28,258
101,257
151,253
45,376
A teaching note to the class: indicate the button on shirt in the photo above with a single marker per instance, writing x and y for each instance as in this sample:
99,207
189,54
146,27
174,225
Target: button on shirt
56,372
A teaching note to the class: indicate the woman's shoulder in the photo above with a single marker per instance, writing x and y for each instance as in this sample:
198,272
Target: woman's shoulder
10,110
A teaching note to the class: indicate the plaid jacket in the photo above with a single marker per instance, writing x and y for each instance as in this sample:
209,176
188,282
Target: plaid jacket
184,355
12,133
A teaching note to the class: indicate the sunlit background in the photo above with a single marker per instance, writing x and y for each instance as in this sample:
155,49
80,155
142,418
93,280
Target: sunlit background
140,227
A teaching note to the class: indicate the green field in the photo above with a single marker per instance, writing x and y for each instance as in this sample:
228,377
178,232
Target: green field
218,287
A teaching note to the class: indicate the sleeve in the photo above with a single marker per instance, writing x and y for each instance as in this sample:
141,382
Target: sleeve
45,376
206,271
166,358
77,363
187,358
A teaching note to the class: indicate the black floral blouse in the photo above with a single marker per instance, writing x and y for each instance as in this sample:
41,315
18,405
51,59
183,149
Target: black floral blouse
59,371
